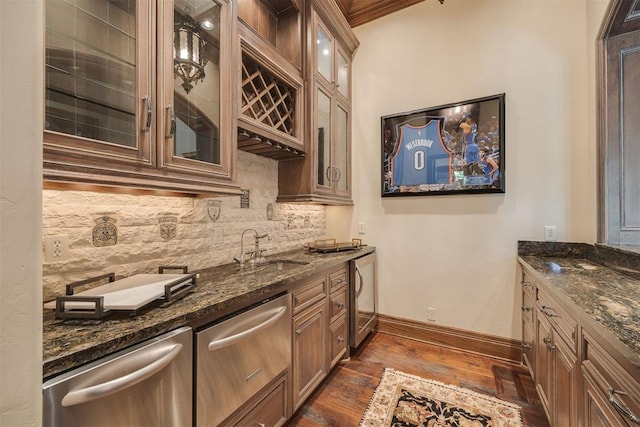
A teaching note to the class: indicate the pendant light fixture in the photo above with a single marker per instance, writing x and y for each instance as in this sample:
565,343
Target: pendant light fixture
188,53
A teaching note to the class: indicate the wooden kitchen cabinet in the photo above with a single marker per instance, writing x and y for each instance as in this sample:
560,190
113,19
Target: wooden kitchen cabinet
117,113
529,320
309,360
320,339
338,310
270,117
556,362
324,175
611,397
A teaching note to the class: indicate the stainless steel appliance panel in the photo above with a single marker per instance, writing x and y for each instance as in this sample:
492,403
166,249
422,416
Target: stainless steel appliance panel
149,384
363,298
239,356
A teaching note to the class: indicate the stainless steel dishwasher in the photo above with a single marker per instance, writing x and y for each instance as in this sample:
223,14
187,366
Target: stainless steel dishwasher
149,384
236,358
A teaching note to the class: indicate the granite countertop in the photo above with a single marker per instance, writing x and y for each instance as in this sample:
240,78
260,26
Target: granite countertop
219,291
610,299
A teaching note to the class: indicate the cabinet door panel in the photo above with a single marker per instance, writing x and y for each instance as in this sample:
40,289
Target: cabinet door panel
309,351
323,139
565,385
341,173
97,74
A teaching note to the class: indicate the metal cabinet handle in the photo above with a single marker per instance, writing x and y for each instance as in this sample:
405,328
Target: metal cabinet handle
359,290
149,109
526,346
97,391
327,173
232,339
172,122
547,311
525,283
338,174
340,304
548,343
526,308
298,331
261,425
620,406
340,339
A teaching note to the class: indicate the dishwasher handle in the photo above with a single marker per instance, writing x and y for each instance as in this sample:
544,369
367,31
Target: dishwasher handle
232,339
98,391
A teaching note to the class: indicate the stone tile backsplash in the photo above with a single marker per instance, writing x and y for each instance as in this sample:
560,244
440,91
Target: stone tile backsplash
150,230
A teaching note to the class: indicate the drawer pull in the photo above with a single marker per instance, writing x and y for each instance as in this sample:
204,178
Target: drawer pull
620,406
526,346
548,343
298,331
253,374
526,308
232,339
525,283
340,304
262,425
340,339
547,311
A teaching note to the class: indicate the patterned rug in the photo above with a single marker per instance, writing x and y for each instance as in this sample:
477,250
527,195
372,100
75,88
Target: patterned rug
403,400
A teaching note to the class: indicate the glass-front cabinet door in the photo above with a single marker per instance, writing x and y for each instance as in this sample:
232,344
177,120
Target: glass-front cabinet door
331,115
134,90
98,79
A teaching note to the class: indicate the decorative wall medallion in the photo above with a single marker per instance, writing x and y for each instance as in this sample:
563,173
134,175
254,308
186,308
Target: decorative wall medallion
244,199
105,232
213,209
168,226
270,211
307,221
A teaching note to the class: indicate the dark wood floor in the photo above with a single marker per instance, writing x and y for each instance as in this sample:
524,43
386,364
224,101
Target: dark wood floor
342,399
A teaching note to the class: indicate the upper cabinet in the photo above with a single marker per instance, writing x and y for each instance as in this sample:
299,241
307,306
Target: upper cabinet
270,116
324,175
138,94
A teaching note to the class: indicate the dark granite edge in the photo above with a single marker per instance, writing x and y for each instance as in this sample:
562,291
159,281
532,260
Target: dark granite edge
619,259
66,361
557,249
583,318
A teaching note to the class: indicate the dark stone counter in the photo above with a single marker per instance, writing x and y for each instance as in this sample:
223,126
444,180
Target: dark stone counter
220,291
601,282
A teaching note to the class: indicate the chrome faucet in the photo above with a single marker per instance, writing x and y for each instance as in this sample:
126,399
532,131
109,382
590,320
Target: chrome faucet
256,257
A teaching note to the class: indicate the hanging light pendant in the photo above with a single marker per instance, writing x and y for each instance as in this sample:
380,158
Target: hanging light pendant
188,53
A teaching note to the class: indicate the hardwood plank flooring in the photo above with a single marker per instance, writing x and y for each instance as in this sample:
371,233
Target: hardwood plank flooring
343,397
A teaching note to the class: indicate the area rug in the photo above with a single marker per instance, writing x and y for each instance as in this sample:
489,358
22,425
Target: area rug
404,400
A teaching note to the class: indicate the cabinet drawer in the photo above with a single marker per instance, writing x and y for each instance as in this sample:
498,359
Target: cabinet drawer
269,410
614,383
338,339
565,325
338,304
307,295
338,279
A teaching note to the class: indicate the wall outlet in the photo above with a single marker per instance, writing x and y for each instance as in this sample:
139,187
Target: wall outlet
56,248
431,314
550,233
362,227
218,236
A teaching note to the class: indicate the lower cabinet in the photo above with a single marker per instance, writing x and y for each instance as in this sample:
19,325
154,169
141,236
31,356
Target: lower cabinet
309,351
320,330
611,397
580,381
267,409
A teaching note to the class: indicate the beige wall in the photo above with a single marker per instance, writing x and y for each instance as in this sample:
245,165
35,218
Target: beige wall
21,77
140,246
457,254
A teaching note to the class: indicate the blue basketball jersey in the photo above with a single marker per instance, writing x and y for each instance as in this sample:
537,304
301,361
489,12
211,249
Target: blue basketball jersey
421,156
